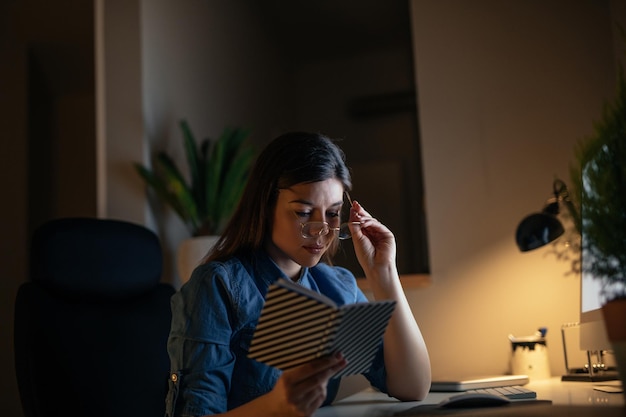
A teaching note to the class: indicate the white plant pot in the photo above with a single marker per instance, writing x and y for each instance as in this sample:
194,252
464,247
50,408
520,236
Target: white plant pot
190,252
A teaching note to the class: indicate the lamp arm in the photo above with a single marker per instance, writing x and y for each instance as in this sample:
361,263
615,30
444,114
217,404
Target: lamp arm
562,194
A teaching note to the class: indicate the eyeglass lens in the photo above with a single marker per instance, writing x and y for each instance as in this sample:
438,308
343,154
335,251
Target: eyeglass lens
315,229
344,232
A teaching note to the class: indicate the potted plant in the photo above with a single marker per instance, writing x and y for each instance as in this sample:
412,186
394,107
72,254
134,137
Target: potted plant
217,173
599,183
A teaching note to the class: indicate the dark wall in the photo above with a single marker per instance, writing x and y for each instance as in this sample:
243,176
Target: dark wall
47,148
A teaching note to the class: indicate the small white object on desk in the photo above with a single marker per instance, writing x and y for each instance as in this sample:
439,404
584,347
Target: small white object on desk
616,388
530,355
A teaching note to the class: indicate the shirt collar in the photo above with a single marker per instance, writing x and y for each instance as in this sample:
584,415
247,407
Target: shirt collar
269,272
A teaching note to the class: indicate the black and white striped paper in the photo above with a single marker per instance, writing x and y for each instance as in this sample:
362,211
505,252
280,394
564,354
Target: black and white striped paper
298,325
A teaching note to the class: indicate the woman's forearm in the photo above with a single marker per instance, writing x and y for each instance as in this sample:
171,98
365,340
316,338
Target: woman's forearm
406,356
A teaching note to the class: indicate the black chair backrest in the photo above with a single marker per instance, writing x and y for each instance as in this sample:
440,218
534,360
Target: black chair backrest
91,325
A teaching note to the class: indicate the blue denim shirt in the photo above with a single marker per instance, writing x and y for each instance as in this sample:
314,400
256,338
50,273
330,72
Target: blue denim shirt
214,317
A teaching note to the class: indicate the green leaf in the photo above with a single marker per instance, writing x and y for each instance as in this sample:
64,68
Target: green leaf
190,151
237,174
162,188
214,173
218,171
178,189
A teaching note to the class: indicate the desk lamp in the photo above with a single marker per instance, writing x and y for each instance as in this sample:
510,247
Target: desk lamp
539,229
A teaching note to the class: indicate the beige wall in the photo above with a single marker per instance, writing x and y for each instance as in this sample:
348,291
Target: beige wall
119,122
506,88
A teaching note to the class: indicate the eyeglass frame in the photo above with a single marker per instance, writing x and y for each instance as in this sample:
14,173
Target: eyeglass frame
326,228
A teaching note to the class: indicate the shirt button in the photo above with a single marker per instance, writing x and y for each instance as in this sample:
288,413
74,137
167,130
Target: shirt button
174,377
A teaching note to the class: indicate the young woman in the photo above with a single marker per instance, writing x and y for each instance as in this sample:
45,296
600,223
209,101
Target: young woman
286,225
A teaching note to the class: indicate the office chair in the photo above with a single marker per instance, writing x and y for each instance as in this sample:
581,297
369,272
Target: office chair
91,325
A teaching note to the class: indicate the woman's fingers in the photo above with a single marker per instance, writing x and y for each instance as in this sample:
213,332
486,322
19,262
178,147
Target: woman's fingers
374,243
316,371
305,385
358,213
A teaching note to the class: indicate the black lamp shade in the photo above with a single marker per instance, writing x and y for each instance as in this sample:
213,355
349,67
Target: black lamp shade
536,230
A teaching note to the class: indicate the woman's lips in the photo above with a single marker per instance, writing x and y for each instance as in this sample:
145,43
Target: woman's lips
314,249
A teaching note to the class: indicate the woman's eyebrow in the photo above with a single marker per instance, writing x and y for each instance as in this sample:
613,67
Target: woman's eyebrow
301,201
310,203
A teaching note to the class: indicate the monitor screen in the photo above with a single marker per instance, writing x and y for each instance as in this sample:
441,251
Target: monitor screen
592,332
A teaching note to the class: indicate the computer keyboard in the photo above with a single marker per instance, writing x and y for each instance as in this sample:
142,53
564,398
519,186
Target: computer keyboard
514,392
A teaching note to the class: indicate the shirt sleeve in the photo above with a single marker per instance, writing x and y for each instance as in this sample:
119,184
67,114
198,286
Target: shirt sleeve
199,346
377,374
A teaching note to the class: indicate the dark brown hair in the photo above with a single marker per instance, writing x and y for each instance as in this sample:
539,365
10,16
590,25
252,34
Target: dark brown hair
290,159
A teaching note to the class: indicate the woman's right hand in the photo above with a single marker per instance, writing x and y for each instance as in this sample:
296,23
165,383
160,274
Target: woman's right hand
302,390
374,243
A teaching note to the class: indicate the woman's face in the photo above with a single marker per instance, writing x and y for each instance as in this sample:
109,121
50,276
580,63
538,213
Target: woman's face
311,202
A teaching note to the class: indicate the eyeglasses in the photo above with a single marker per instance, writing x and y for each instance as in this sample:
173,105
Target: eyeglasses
310,230
315,229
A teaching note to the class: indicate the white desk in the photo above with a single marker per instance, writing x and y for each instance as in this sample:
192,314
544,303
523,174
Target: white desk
579,394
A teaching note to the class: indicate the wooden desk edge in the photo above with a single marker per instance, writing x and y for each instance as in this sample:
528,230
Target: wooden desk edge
409,281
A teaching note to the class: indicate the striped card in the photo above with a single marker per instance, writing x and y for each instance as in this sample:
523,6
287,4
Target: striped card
298,325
